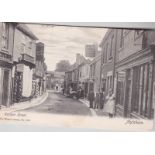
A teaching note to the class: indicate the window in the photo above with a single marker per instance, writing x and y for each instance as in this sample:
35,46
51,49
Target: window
111,50
153,105
140,93
5,35
125,32
23,48
104,84
138,33
120,88
30,45
103,55
106,52
121,39
111,82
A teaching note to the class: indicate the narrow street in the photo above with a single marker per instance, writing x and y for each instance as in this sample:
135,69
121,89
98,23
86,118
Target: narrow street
59,104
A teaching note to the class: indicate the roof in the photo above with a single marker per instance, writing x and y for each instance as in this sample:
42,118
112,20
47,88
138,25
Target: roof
97,58
59,74
26,30
105,36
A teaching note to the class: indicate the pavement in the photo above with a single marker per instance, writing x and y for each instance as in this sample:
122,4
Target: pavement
24,105
95,112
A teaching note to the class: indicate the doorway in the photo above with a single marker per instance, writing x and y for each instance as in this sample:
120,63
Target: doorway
5,87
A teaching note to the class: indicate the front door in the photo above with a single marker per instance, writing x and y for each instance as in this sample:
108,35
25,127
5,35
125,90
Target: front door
5,88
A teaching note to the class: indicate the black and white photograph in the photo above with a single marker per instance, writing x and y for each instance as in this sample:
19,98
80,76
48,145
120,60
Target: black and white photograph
77,76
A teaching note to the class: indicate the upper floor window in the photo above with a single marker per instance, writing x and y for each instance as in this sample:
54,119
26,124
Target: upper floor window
121,39
111,49
103,56
23,48
5,35
126,31
30,44
106,51
138,33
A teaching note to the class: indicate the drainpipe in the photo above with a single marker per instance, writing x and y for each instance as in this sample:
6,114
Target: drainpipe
101,70
114,64
12,79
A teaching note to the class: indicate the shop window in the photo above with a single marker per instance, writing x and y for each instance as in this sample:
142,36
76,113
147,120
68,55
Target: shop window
153,101
140,90
120,88
109,83
104,84
135,93
120,92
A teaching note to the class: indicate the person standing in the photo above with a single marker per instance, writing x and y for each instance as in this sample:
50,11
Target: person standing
102,99
97,101
110,105
91,98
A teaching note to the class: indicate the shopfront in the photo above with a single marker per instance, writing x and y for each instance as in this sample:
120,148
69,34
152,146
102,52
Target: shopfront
134,90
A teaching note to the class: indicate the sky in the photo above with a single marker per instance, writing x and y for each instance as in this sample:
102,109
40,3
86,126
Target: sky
62,42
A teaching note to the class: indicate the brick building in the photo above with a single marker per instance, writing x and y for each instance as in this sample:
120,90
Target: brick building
95,74
135,73
108,46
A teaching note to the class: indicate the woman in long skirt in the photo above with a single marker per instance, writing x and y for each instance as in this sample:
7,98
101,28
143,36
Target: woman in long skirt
110,106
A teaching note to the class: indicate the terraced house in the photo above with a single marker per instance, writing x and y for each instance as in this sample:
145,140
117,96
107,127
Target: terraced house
108,46
135,73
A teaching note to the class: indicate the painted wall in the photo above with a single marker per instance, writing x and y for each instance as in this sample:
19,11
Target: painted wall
97,75
10,38
30,46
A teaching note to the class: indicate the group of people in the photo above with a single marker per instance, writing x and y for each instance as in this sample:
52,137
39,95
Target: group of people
101,101
79,93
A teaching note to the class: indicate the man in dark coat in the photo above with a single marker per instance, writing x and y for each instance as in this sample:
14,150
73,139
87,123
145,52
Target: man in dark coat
91,98
102,98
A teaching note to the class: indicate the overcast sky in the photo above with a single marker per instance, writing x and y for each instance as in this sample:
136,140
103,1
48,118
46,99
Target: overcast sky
62,42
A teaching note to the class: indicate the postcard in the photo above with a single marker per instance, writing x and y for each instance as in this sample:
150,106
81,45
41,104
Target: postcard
77,77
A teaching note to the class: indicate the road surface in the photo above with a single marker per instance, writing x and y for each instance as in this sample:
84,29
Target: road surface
57,103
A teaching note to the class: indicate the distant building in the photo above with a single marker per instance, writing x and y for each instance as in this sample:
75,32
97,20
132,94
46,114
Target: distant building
95,74
84,69
49,77
55,80
91,50
39,75
77,75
